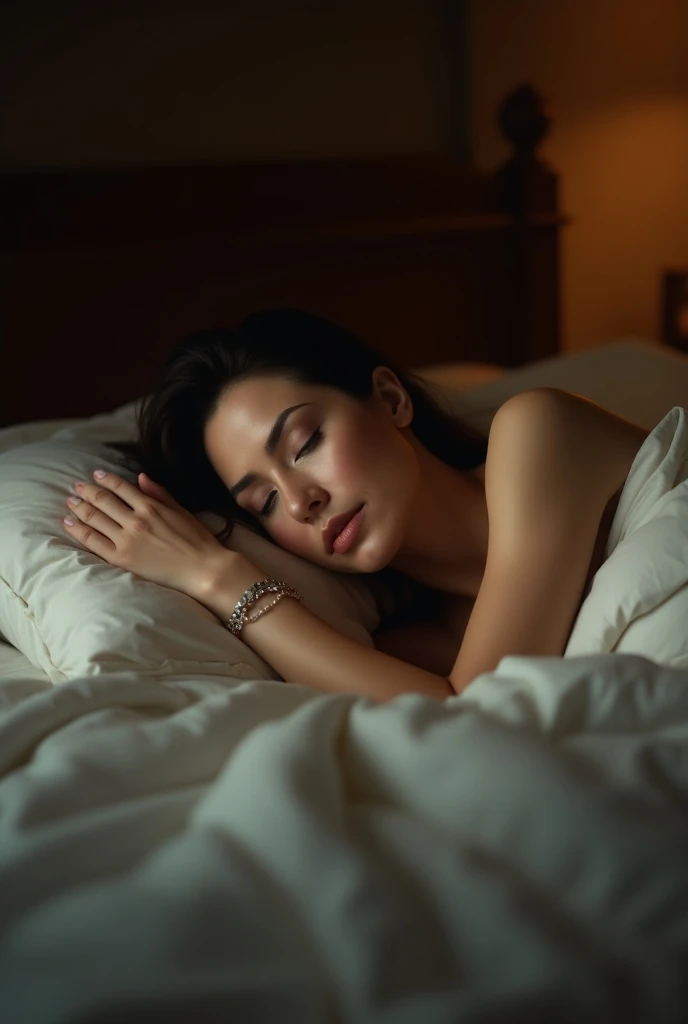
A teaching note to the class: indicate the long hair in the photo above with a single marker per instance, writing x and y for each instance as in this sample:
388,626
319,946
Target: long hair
289,342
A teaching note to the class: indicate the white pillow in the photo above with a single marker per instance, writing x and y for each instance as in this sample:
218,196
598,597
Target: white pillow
632,378
73,614
638,599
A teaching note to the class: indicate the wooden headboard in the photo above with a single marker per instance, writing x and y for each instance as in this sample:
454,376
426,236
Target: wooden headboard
430,259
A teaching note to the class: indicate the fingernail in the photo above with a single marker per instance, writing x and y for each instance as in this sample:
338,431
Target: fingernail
68,520
74,501
99,473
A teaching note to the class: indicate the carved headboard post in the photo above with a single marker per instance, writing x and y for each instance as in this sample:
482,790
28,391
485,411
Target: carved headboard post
527,189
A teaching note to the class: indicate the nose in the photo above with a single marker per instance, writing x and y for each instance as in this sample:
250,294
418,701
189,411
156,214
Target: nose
305,504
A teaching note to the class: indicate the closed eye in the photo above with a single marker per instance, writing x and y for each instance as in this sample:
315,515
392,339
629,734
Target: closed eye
310,445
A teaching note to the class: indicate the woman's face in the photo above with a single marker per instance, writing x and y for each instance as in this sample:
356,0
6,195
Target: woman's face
306,459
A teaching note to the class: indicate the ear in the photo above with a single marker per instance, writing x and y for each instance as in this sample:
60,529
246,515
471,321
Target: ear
394,397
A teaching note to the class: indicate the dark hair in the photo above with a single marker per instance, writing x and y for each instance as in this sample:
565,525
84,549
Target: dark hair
305,347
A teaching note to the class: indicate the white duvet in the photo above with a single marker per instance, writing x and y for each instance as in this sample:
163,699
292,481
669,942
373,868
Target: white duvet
202,851
219,850
638,601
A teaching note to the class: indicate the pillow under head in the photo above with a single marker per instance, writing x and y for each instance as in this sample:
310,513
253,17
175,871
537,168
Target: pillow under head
72,614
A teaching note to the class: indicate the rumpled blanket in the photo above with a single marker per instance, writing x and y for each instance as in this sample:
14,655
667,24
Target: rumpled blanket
213,850
638,601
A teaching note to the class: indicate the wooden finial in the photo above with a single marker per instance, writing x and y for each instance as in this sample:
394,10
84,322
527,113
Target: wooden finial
524,119
525,184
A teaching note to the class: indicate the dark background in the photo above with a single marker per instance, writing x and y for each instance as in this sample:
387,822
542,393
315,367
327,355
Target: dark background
164,81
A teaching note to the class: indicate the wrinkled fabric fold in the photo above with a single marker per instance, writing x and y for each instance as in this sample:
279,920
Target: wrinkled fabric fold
638,600
212,849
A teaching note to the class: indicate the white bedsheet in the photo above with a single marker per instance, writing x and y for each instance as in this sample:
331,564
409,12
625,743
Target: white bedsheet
254,851
223,850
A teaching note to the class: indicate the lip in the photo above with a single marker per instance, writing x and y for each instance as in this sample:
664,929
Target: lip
336,525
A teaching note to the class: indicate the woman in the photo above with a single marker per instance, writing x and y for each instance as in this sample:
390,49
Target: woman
293,424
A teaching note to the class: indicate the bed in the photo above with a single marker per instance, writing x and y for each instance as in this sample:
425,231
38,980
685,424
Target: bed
183,836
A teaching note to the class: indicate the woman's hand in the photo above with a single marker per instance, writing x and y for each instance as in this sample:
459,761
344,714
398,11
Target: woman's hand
144,531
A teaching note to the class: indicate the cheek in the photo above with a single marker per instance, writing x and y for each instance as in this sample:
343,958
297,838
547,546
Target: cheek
358,453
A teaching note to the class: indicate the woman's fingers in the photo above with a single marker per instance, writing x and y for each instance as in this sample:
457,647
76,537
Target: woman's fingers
130,496
105,512
99,511
92,512
91,528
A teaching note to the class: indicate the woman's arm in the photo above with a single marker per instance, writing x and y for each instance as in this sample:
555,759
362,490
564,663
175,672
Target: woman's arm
553,462
151,535
304,649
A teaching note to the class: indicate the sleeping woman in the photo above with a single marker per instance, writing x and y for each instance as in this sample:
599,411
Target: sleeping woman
297,427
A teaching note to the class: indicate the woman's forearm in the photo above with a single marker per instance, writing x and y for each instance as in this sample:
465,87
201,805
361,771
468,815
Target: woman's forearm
304,649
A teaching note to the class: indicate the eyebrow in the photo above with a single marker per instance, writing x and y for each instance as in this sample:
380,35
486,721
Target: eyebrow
270,445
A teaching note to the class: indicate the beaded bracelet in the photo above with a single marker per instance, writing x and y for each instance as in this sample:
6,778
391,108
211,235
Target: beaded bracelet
265,608
238,618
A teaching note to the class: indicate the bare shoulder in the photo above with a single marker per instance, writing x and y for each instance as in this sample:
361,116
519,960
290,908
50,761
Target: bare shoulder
550,401
559,440
554,460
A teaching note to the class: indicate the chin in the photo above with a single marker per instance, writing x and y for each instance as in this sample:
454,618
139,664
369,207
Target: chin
370,562
372,557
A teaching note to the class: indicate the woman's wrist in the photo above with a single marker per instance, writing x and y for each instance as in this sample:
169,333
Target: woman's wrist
221,586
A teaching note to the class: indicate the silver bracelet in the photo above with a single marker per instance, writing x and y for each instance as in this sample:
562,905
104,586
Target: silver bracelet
238,618
265,608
